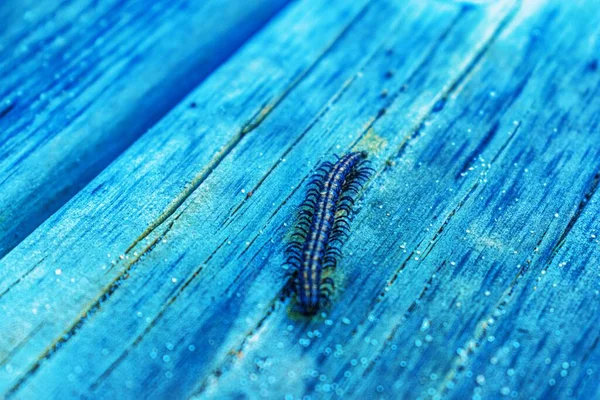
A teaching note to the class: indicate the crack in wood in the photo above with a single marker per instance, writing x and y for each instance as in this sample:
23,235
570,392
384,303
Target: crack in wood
25,275
6,110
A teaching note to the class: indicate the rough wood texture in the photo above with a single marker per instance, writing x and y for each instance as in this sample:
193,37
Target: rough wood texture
470,268
67,103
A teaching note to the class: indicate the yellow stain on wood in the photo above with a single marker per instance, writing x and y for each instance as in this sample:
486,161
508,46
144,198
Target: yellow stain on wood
266,110
371,142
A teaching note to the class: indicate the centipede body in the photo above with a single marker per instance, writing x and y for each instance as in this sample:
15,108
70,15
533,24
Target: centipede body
322,226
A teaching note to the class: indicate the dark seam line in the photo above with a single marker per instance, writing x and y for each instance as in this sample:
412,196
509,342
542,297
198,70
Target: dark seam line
30,270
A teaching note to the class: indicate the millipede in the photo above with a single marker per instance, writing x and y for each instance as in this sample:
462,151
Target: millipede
323,224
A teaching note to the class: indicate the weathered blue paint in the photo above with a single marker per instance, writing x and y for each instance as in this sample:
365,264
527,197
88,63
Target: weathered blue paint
186,148
81,80
470,267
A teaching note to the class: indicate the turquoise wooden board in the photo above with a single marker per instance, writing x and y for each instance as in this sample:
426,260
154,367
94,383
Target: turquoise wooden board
81,81
437,303
469,271
249,101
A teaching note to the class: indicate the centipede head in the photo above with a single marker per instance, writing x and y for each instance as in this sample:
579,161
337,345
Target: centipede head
306,310
300,305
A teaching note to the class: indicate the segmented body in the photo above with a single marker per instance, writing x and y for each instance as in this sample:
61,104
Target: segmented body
315,251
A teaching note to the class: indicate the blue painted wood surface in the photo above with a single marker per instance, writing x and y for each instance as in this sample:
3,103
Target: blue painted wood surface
68,107
470,270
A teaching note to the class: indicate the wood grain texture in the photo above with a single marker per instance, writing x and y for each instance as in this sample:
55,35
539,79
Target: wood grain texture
271,164
68,106
262,80
470,268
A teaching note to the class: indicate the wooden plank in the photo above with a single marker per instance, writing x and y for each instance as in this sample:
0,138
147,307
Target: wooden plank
81,80
451,265
510,228
431,205
188,277
161,171
548,325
